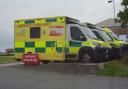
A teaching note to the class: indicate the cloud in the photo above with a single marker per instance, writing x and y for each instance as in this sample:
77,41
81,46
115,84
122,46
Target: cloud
85,10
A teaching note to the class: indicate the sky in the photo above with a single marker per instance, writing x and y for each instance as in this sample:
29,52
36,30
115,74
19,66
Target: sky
93,11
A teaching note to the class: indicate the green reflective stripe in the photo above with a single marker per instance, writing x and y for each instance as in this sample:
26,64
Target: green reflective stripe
40,50
75,44
51,20
29,44
66,50
19,50
59,50
50,43
29,21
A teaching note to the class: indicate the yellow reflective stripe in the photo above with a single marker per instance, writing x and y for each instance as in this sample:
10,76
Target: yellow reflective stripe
19,55
61,19
60,44
21,22
40,21
74,49
29,50
40,44
49,50
85,43
67,43
19,44
88,43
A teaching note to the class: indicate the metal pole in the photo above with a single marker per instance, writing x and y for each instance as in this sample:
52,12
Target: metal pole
114,9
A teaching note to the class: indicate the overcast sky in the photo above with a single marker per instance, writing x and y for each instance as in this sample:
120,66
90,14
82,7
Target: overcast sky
93,11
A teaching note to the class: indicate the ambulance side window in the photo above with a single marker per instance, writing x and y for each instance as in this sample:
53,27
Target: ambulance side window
35,32
76,34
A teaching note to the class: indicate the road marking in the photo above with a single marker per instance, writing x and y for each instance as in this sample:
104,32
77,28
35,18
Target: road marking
10,64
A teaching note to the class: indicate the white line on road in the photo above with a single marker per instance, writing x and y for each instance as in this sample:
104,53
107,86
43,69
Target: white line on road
10,64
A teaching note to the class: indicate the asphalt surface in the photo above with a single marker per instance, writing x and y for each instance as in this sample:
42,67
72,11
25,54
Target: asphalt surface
21,77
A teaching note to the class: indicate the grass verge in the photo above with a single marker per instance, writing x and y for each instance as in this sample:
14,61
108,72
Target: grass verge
116,68
7,59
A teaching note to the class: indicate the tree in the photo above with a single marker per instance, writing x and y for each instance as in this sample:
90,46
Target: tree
122,16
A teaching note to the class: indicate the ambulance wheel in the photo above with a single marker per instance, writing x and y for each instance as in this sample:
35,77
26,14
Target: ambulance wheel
87,57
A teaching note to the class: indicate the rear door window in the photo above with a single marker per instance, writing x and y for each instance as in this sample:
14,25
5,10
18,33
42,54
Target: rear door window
35,32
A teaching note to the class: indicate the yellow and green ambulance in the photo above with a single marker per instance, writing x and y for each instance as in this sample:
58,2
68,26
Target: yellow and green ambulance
113,36
117,41
115,51
57,39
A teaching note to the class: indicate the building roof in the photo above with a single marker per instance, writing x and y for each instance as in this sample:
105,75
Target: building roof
108,23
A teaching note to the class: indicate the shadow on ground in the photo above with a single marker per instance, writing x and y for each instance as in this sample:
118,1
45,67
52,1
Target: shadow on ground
89,69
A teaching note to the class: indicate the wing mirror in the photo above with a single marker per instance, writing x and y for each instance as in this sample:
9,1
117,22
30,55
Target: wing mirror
82,37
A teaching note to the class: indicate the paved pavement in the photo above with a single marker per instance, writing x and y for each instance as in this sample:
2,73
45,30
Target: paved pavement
21,77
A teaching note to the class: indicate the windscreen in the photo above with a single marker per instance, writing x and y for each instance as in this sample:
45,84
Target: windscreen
114,36
105,36
88,32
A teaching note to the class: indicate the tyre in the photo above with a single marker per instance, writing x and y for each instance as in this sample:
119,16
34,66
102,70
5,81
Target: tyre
87,57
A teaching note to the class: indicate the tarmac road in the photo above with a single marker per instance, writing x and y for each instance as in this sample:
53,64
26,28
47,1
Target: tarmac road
20,77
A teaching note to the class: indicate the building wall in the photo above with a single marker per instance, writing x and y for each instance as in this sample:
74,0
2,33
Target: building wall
10,51
120,31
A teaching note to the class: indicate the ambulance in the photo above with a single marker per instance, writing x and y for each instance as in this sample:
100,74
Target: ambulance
119,42
57,39
115,51
113,36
